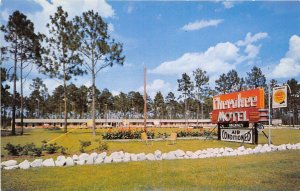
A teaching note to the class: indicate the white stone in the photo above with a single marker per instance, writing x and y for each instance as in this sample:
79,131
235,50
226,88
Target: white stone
24,165
189,153
263,150
48,162
116,155
281,147
36,163
126,159
150,156
225,153
234,153
228,149
107,159
164,156
126,155
80,162
194,156
242,148
11,167
289,146
179,153
199,152
61,162
84,156
99,160
69,162
117,160
102,155
133,157
298,145
141,157
249,151
75,157
158,154
94,155
90,160
186,157
61,158
171,155
221,150
9,163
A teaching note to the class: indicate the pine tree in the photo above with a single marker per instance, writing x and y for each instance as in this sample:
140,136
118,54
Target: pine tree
25,49
61,59
98,49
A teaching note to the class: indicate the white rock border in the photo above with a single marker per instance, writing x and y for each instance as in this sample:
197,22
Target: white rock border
117,157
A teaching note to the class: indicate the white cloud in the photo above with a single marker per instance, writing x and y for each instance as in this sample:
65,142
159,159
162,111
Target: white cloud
4,15
115,93
201,24
228,4
252,50
252,39
127,65
215,60
74,7
129,9
289,66
110,27
155,86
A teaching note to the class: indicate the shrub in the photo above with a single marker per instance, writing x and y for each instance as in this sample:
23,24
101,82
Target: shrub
83,145
13,150
63,150
28,149
37,152
103,146
51,148
31,149
122,133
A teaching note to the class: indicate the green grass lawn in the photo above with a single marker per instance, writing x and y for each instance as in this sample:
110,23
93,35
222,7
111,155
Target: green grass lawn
71,141
271,171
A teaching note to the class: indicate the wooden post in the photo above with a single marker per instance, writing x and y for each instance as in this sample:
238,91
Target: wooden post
145,100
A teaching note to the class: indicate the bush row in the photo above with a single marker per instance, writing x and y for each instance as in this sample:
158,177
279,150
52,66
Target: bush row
136,134
33,150
125,134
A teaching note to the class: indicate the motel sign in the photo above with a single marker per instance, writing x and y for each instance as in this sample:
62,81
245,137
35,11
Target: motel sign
242,107
238,107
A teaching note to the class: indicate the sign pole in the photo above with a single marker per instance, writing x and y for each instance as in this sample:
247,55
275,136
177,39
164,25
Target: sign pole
269,137
145,99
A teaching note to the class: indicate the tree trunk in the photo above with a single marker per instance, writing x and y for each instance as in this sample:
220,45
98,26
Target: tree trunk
13,125
93,104
185,106
197,113
21,77
65,98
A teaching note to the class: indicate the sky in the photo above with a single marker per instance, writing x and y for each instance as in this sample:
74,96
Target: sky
173,37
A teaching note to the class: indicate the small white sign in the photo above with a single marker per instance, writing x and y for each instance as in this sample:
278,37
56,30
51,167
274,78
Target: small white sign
237,135
279,97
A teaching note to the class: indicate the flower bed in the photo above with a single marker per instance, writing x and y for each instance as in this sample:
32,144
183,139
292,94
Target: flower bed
135,133
125,133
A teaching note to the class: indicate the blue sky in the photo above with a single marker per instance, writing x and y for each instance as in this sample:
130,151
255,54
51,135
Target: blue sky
170,38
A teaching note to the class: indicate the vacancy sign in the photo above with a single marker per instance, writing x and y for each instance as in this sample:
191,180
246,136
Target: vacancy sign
279,97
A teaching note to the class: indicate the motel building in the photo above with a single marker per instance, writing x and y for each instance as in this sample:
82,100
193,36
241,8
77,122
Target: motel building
104,123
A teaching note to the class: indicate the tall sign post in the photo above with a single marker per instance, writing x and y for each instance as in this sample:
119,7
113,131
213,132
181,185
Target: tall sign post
269,136
145,100
279,100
